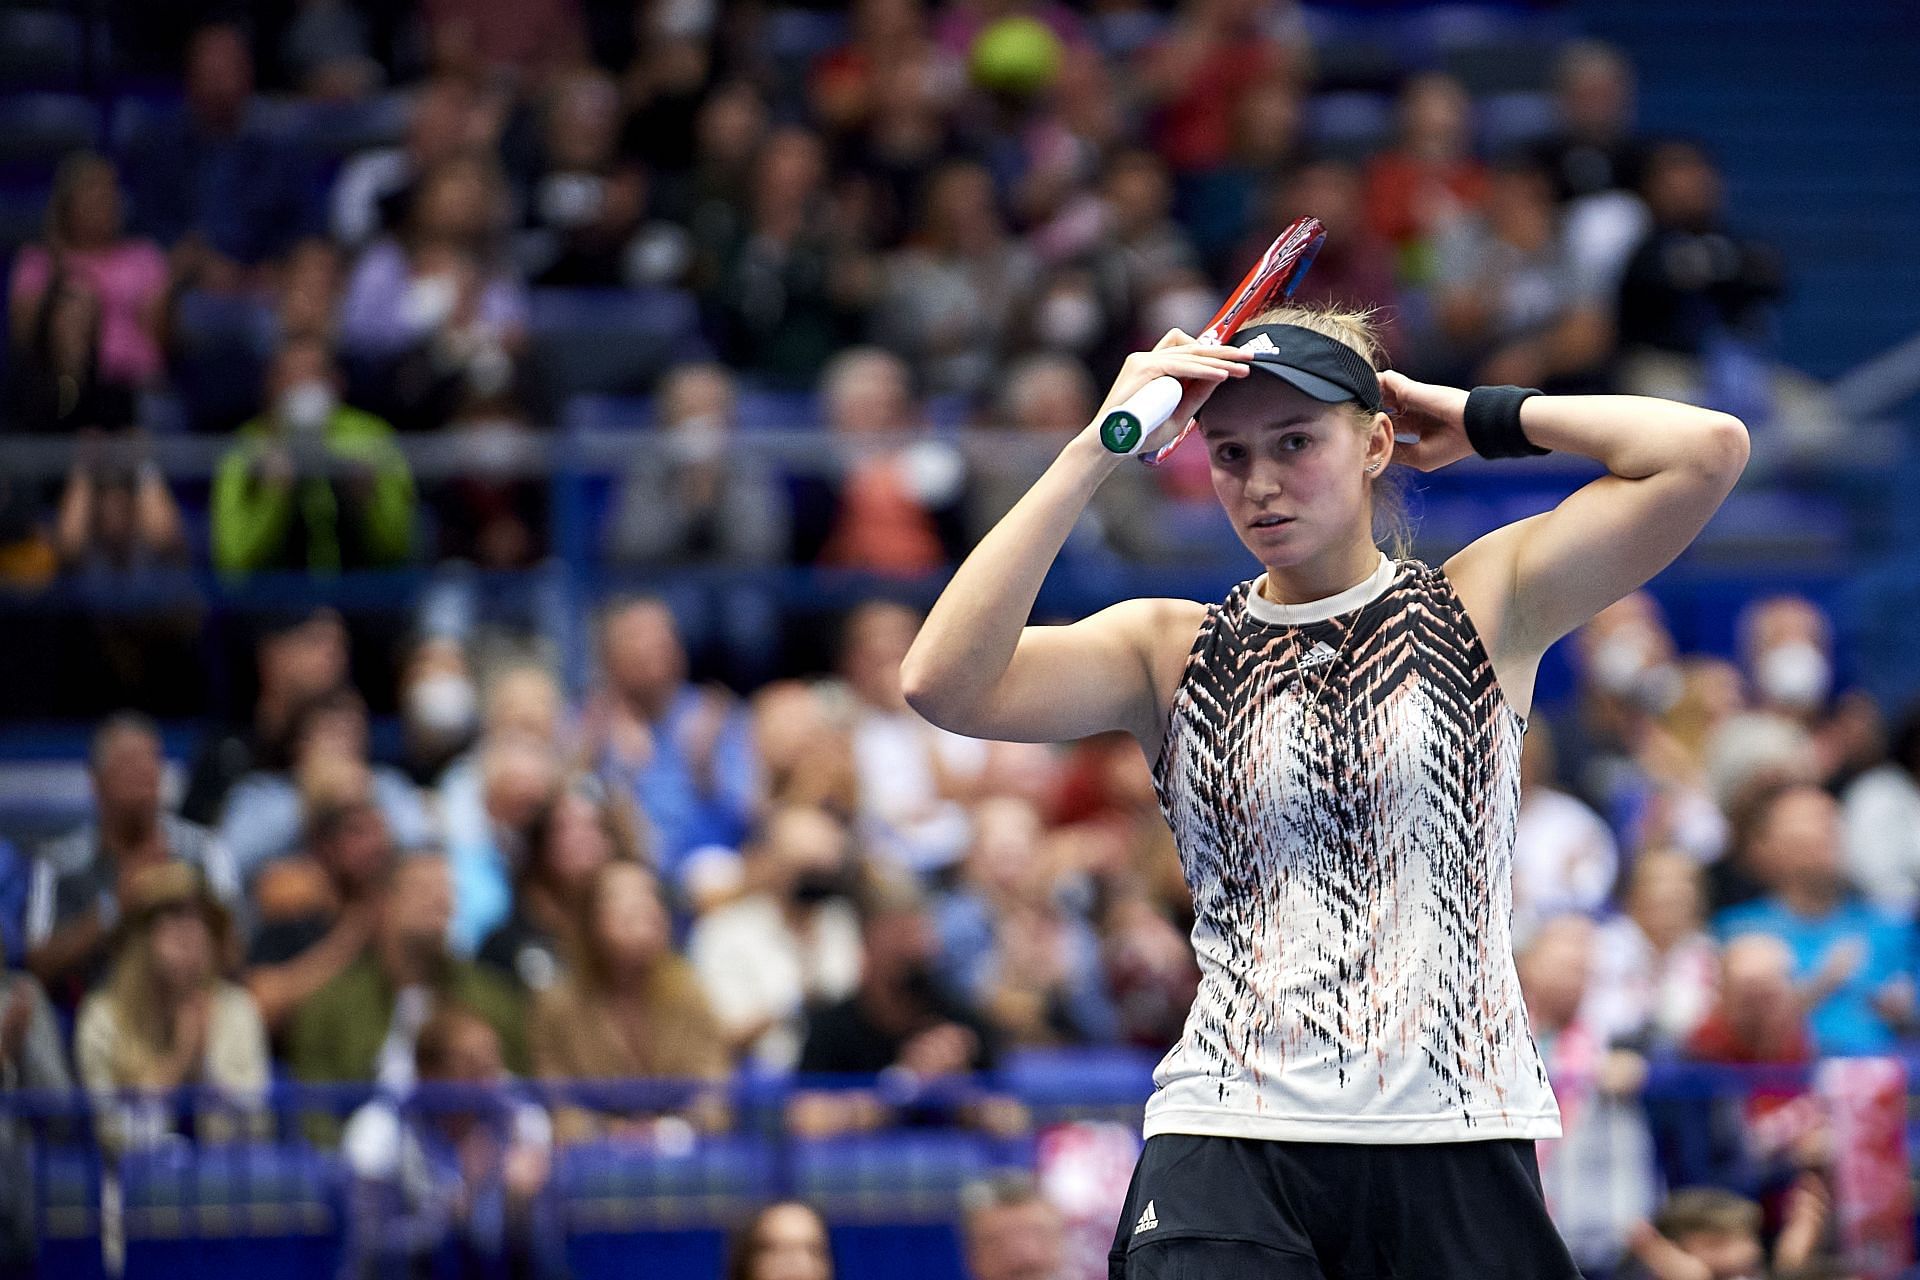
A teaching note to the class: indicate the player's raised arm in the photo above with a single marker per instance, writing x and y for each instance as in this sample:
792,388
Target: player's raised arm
1669,465
977,668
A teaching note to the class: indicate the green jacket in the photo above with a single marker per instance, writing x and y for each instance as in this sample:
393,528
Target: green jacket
337,1034
258,524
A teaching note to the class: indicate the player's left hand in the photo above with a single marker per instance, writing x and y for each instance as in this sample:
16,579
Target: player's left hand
1429,421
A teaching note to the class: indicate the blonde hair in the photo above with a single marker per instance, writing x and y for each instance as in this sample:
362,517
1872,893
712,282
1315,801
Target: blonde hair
1357,328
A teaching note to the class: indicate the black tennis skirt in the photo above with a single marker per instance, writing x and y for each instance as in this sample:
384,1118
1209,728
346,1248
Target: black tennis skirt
1246,1209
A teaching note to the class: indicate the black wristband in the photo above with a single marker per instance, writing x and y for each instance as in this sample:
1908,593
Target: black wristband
1493,423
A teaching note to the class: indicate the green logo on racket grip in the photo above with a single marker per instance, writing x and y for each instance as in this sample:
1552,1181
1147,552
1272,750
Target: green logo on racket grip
1120,432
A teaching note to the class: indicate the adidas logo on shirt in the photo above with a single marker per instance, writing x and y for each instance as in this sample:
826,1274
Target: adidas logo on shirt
1148,1219
1319,656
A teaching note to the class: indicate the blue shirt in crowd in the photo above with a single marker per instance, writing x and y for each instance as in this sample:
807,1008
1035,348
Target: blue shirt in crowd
1846,1021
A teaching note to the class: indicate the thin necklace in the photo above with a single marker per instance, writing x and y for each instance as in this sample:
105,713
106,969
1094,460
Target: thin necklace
1310,714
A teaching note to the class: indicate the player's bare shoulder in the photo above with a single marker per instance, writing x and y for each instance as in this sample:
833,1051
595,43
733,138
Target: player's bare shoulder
1161,631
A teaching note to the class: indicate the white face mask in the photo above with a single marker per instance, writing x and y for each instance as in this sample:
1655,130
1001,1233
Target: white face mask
308,407
1069,320
1187,310
698,440
1624,665
443,705
1794,675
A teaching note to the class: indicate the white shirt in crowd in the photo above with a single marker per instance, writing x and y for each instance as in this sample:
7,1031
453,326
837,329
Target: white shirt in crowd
1564,860
755,966
1882,815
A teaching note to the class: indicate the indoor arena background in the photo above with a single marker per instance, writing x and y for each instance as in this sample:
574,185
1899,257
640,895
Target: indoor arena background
454,448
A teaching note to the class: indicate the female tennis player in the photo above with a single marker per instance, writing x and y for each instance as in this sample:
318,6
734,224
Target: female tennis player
1336,747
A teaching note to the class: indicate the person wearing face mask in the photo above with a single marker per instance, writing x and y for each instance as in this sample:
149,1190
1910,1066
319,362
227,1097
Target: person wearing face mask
1786,648
791,942
311,484
439,708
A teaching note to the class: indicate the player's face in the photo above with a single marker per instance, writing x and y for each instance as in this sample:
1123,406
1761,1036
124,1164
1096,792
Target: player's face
1288,469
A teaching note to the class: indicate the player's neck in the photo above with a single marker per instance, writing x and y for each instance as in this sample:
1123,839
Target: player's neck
1336,570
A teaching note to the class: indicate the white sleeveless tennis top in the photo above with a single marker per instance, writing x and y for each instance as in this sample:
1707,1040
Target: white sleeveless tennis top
1342,779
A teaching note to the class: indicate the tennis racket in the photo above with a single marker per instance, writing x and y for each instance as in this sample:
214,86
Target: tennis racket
1272,279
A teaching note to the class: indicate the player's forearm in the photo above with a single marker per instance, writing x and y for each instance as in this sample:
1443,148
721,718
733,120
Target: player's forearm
1639,436
969,638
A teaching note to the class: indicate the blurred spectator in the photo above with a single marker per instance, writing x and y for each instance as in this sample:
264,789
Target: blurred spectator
910,772
1594,150
439,708
786,1240
694,497
316,913
686,751
1594,158
1759,1016
1149,969
87,306
456,1180
364,1024
806,755
495,512
80,879
1354,268
1219,209
311,484
1564,857
630,1010
842,91
117,520
896,508
1882,809
1628,766
326,52
790,943
297,657
522,42
788,282
1855,960
1010,1231
953,292
261,818
587,207
1654,965
1010,947
1141,248
1786,648
306,300
1599,1177
577,832
446,117
899,1021
167,1018
518,779
1509,302
1428,179
1707,1233
215,181
434,310
522,702
1215,54
30,1058
1696,308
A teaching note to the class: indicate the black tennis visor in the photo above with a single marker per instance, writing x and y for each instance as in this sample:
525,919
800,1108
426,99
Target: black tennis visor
1325,368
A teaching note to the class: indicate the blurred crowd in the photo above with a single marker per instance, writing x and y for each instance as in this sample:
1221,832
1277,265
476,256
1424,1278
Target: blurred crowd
945,215
339,227
663,880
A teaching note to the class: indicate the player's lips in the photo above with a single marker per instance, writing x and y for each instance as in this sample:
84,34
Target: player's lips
1269,521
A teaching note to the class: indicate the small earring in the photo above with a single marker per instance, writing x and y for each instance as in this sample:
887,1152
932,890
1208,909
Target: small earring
1373,468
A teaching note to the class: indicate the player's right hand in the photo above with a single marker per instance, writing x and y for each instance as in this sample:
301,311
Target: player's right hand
1201,367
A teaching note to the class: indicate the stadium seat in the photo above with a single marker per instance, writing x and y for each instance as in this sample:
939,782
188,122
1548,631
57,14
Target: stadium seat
902,1176
610,340
1509,121
208,1211
37,129
40,49
618,1186
1092,1077
1349,124
597,413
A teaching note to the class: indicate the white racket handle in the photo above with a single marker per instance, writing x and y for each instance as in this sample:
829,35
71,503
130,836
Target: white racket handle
1126,428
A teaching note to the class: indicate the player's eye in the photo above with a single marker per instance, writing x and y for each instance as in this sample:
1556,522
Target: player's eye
1295,441
1228,454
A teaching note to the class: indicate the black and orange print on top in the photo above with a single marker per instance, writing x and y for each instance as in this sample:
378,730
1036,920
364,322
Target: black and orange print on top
1346,825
